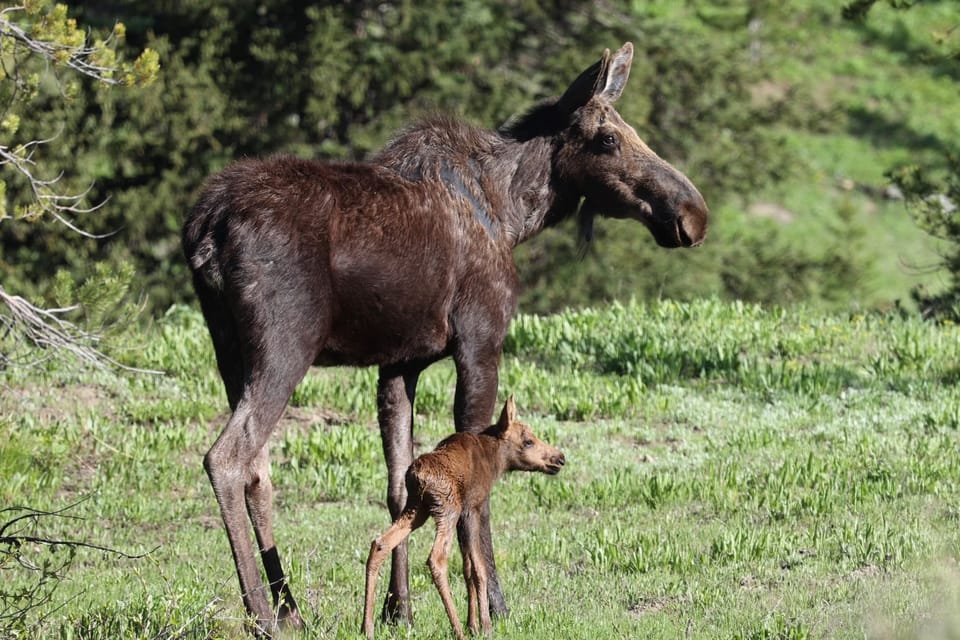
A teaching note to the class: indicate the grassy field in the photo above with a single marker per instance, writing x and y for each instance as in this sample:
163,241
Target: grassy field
876,98
733,471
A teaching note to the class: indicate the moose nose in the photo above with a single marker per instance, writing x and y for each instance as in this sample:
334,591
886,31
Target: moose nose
692,223
558,460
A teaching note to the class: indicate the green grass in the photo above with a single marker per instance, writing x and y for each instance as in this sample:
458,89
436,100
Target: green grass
733,471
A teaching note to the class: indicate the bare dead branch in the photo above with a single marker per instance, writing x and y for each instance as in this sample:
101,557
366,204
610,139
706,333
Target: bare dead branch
49,201
20,599
51,333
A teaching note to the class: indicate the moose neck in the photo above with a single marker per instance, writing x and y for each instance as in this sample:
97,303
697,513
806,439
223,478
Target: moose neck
506,176
533,197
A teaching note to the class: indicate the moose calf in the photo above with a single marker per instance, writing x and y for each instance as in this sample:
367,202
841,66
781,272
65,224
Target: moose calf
451,483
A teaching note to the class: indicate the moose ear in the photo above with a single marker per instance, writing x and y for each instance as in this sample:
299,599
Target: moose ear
617,73
510,409
508,415
606,78
585,86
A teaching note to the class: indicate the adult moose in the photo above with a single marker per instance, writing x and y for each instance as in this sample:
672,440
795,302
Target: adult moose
399,262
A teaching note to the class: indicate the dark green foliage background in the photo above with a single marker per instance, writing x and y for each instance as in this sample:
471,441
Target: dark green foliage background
754,100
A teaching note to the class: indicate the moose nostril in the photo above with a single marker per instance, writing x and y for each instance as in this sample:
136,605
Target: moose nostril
692,222
560,460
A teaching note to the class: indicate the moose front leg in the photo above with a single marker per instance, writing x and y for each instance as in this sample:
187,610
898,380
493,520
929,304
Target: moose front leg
395,395
474,403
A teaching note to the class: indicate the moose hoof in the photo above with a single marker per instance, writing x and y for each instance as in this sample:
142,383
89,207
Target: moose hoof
274,627
396,611
263,628
289,618
498,605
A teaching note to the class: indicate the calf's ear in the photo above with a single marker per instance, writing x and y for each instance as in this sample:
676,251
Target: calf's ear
510,409
507,415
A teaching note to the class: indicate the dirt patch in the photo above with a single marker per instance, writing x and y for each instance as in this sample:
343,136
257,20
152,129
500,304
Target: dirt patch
53,404
767,92
306,419
750,582
867,571
670,442
652,604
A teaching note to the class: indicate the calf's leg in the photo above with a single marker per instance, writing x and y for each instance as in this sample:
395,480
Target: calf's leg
479,578
438,566
470,553
411,519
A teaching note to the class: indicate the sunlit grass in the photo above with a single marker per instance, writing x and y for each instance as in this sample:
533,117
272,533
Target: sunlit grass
733,471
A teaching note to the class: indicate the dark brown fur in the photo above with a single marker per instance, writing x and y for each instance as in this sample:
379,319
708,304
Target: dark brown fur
399,262
452,483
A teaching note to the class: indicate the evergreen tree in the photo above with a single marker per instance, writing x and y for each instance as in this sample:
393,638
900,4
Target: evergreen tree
932,192
42,53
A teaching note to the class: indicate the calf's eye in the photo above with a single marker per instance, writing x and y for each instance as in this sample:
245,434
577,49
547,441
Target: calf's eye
527,444
608,141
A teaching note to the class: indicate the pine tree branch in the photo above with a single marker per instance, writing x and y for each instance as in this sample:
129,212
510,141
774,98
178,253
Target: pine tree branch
80,58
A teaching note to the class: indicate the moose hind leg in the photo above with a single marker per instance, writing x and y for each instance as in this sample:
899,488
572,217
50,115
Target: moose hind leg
236,465
226,344
259,494
227,465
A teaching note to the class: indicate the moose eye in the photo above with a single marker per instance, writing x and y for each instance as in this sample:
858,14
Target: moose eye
608,142
527,443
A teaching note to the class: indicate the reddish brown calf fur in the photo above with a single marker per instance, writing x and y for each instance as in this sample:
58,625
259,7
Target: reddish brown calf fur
451,483
399,262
